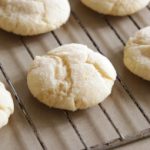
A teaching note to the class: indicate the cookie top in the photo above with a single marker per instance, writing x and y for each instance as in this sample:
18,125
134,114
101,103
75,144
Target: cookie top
137,53
116,7
71,77
31,17
6,105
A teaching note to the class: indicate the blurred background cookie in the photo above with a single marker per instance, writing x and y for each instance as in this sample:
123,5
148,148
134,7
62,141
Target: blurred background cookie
31,17
6,105
116,7
137,54
71,77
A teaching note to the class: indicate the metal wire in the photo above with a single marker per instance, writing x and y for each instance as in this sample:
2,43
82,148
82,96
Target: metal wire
22,107
121,136
127,140
76,130
134,22
113,29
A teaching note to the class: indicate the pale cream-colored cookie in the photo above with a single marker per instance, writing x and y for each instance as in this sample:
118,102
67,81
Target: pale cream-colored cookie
137,54
71,77
6,105
31,17
116,7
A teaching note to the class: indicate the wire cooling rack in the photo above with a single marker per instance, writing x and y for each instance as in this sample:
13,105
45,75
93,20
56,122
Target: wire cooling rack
114,143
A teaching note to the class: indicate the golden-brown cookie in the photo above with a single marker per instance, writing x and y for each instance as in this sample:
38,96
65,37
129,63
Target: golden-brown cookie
116,7
31,17
71,77
6,105
137,54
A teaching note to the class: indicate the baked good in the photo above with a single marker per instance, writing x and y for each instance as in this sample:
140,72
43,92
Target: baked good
6,105
137,54
116,7
31,17
71,77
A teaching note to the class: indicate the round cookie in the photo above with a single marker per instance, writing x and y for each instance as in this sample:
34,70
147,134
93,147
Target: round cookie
137,54
116,7
6,105
71,77
31,17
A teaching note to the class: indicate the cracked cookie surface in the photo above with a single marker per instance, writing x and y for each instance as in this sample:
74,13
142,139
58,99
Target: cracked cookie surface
6,105
31,17
71,77
116,7
137,54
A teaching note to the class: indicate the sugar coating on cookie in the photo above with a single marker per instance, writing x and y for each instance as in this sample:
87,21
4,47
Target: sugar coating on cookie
71,77
116,7
6,105
137,54
31,17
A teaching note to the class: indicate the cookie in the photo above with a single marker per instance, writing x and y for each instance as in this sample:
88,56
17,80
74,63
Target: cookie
6,105
116,7
137,54
71,77
31,17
